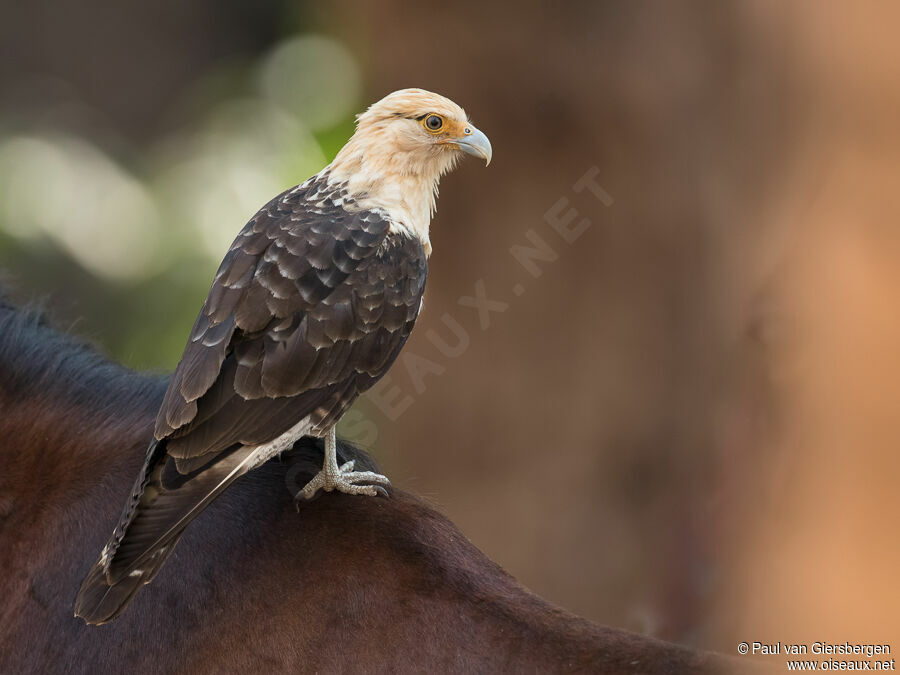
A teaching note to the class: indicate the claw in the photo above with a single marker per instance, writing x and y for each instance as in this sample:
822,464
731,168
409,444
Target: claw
347,481
307,496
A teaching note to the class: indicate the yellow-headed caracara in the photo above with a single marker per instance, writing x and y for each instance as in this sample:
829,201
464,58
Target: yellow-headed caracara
310,307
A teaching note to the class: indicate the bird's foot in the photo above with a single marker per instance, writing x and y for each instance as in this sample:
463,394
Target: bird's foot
346,480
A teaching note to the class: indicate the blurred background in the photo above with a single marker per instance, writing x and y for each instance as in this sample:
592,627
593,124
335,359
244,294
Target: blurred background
678,412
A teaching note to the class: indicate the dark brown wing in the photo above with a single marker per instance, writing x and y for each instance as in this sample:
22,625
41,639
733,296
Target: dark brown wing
309,308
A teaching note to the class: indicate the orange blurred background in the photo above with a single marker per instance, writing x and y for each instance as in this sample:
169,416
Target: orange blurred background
679,418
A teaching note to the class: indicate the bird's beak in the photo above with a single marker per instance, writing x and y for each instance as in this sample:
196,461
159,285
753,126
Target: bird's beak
473,142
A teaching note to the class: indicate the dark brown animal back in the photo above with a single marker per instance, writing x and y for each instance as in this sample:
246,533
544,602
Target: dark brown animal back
344,585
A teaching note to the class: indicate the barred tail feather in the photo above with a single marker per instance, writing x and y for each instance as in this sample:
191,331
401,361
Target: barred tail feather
151,526
99,601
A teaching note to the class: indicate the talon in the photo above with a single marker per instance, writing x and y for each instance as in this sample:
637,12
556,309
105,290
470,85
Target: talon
309,495
349,482
369,477
343,478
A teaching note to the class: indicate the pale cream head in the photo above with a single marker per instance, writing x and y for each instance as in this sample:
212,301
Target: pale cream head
403,144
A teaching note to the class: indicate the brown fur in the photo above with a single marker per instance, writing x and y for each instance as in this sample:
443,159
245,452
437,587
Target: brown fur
344,585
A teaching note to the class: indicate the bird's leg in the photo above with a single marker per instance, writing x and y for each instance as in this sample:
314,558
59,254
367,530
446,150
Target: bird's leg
342,478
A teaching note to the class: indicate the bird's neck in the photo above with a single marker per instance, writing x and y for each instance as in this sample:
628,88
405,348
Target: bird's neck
399,183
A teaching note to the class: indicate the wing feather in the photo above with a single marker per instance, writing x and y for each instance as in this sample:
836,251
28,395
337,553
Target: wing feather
310,306
309,296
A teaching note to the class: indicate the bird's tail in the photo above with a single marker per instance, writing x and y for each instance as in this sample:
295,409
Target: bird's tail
100,601
163,503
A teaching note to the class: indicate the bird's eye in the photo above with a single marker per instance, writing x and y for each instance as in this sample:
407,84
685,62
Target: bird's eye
434,122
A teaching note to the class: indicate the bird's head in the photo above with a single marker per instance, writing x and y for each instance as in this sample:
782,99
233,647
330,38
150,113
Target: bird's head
402,146
428,127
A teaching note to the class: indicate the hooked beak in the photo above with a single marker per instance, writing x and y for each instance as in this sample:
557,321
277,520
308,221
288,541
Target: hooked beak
475,143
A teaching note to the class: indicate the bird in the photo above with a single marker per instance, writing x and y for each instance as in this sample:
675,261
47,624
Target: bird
309,308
